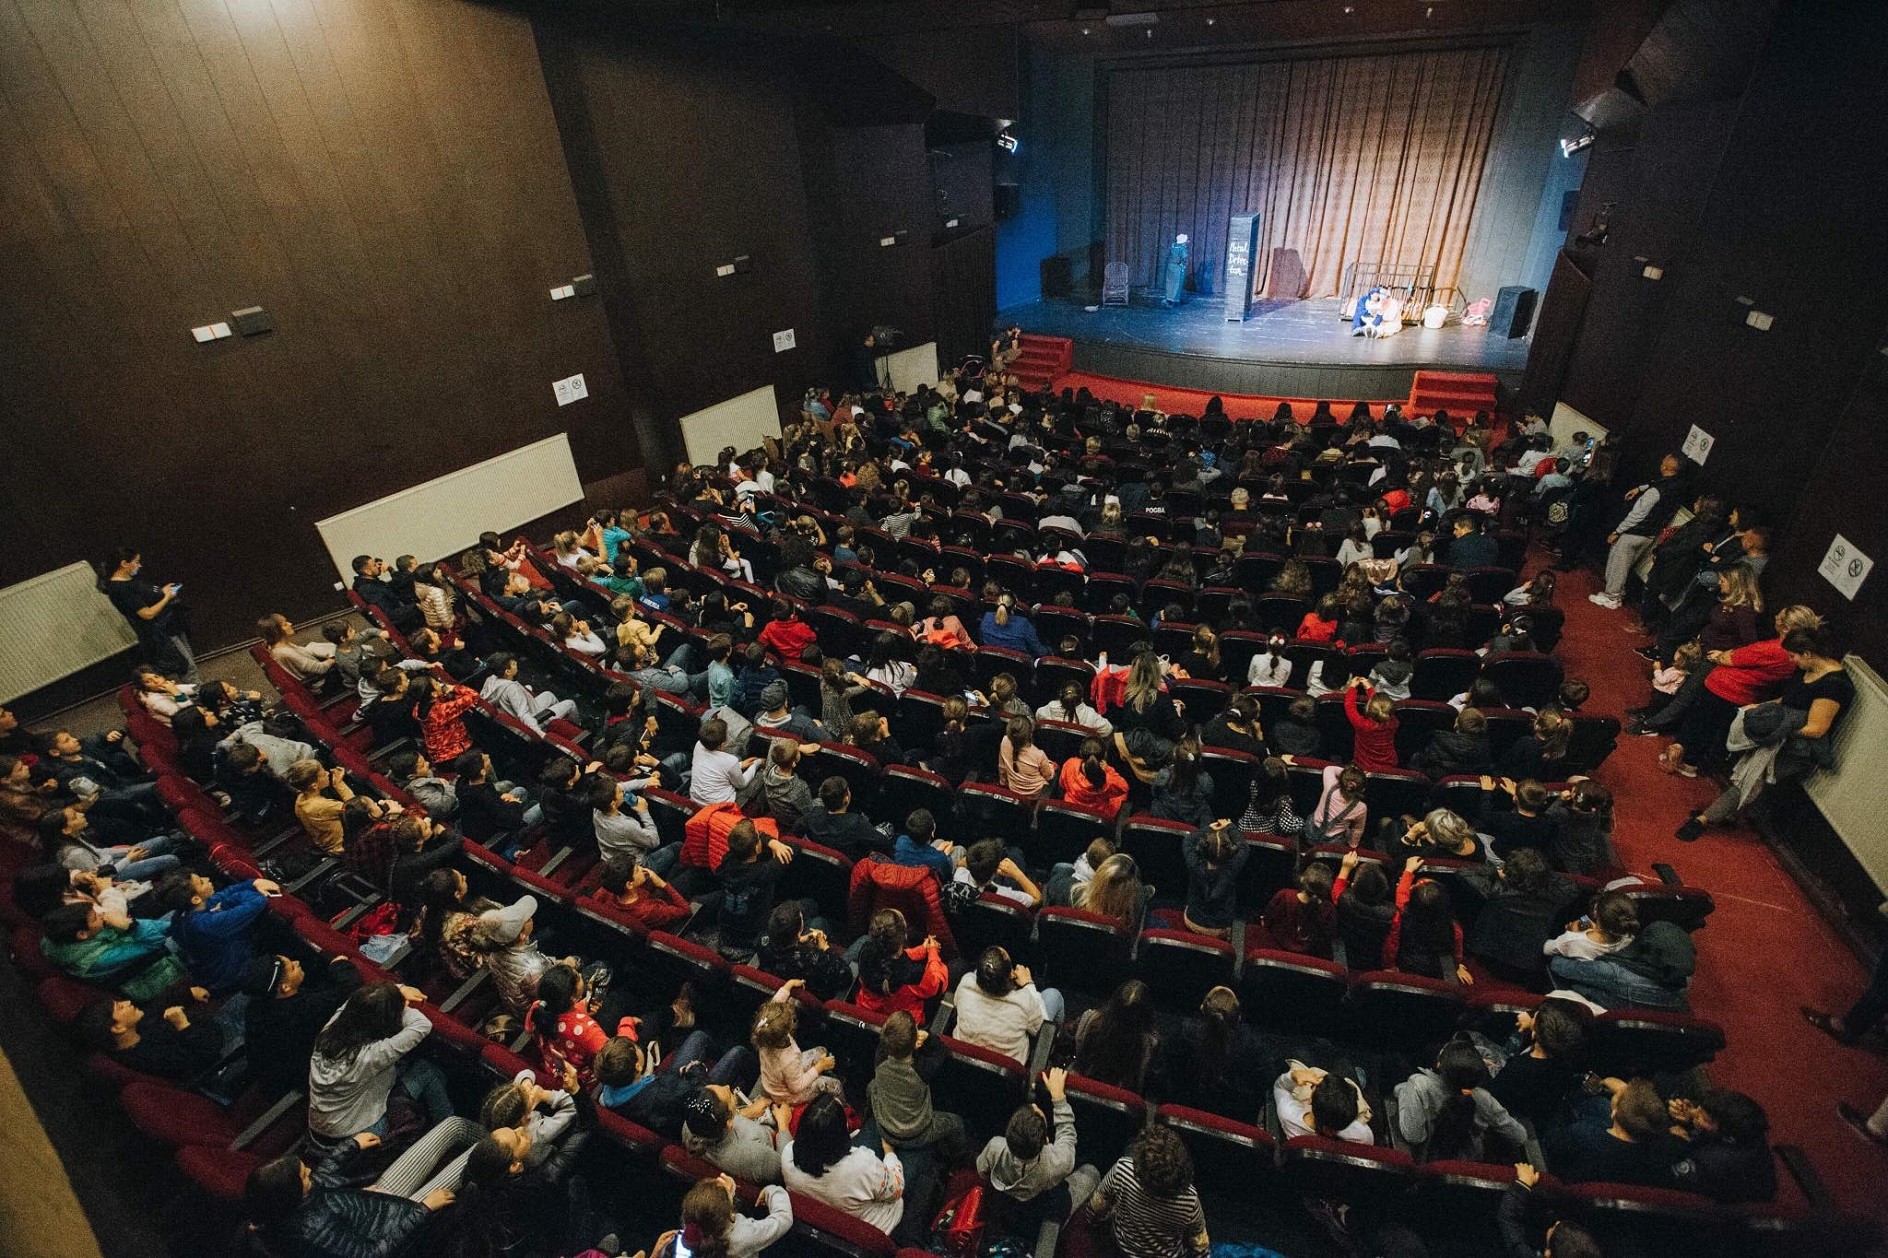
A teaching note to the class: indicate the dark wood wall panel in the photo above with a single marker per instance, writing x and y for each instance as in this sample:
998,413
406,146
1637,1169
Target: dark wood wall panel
384,176
1774,198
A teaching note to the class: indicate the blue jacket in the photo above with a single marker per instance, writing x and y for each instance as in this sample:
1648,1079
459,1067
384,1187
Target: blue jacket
910,852
1018,635
214,939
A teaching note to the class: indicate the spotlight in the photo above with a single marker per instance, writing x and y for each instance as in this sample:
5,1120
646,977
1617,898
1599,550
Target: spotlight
1006,140
1576,144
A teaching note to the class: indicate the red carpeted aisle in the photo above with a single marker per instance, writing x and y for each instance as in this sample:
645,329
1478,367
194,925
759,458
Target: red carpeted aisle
1764,951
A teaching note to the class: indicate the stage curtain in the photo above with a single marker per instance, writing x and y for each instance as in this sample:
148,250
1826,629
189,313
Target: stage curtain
1352,159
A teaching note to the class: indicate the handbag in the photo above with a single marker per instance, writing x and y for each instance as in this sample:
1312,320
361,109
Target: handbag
957,1231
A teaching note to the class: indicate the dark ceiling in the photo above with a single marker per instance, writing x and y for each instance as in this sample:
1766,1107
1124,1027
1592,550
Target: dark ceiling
1180,24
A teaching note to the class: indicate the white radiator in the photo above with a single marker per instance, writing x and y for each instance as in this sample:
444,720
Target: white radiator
742,422
1854,798
442,517
53,625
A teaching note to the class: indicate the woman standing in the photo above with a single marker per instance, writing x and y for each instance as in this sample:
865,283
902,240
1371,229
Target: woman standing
155,614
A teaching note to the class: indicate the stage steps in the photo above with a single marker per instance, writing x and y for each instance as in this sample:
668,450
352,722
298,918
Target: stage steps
1461,393
1043,360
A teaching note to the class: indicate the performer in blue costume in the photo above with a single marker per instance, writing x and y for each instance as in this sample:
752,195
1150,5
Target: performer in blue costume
1369,312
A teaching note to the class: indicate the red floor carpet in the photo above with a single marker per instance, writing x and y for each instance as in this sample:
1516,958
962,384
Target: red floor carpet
1764,951
1193,401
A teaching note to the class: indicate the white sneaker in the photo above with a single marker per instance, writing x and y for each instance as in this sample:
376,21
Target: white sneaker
1603,599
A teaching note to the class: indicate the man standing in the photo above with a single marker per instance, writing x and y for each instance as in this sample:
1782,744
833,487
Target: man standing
1652,507
155,615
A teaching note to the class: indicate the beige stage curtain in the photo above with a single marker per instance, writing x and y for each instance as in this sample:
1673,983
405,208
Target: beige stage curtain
1371,159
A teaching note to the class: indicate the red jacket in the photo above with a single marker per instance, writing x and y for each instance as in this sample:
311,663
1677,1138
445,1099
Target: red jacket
789,638
1314,628
1393,942
1373,746
1753,674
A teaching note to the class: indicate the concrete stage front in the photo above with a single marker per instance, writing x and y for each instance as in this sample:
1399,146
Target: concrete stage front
1286,349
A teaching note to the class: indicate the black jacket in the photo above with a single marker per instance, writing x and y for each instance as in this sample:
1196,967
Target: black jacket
1450,752
1510,929
802,583
378,594
336,1221
484,813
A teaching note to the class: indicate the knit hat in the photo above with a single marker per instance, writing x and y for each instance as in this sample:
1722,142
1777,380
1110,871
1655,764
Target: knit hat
506,924
773,695
262,976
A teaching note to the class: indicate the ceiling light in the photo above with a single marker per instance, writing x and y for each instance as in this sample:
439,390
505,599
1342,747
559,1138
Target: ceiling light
1086,31
1571,146
1211,20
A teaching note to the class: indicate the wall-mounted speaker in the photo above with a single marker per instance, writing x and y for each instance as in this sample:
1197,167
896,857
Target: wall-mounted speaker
251,321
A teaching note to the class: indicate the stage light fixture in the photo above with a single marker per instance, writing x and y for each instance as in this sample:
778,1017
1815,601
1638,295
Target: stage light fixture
1568,147
1006,140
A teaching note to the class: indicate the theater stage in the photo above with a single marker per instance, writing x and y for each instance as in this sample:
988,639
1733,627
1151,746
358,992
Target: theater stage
1286,349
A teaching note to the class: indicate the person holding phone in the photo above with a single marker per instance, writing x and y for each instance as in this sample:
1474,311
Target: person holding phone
155,614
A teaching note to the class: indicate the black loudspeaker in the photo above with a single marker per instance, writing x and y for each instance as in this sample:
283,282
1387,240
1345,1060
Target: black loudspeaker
1009,199
1514,311
1058,275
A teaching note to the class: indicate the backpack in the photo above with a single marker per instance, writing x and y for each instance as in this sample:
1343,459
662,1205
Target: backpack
957,1232
1328,830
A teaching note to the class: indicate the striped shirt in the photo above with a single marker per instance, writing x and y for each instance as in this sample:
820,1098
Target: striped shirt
1146,1226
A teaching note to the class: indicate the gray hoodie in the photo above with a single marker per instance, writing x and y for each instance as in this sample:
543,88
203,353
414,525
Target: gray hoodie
349,1097
1025,1181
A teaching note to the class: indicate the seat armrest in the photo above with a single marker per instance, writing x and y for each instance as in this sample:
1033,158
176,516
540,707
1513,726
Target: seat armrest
269,1118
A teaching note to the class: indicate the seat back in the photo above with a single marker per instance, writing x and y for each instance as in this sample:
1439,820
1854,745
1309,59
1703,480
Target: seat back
1107,1119
1082,951
990,811
1407,1011
1180,967
1526,679
984,1086
1339,1170
1229,1157
1157,846
994,921
1626,1043
1064,831
1443,673
1291,993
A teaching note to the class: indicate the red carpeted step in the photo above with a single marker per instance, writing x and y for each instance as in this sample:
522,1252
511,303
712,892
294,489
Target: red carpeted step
1452,391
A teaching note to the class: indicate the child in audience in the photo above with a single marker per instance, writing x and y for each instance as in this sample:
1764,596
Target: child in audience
1301,918
1365,911
900,1093
1089,780
1602,932
790,1075
1321,622
1685,660
1373,726
894,975
1269,807
640,893
1311,1101
1297,734
1424,935
1036,1179
1215,857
